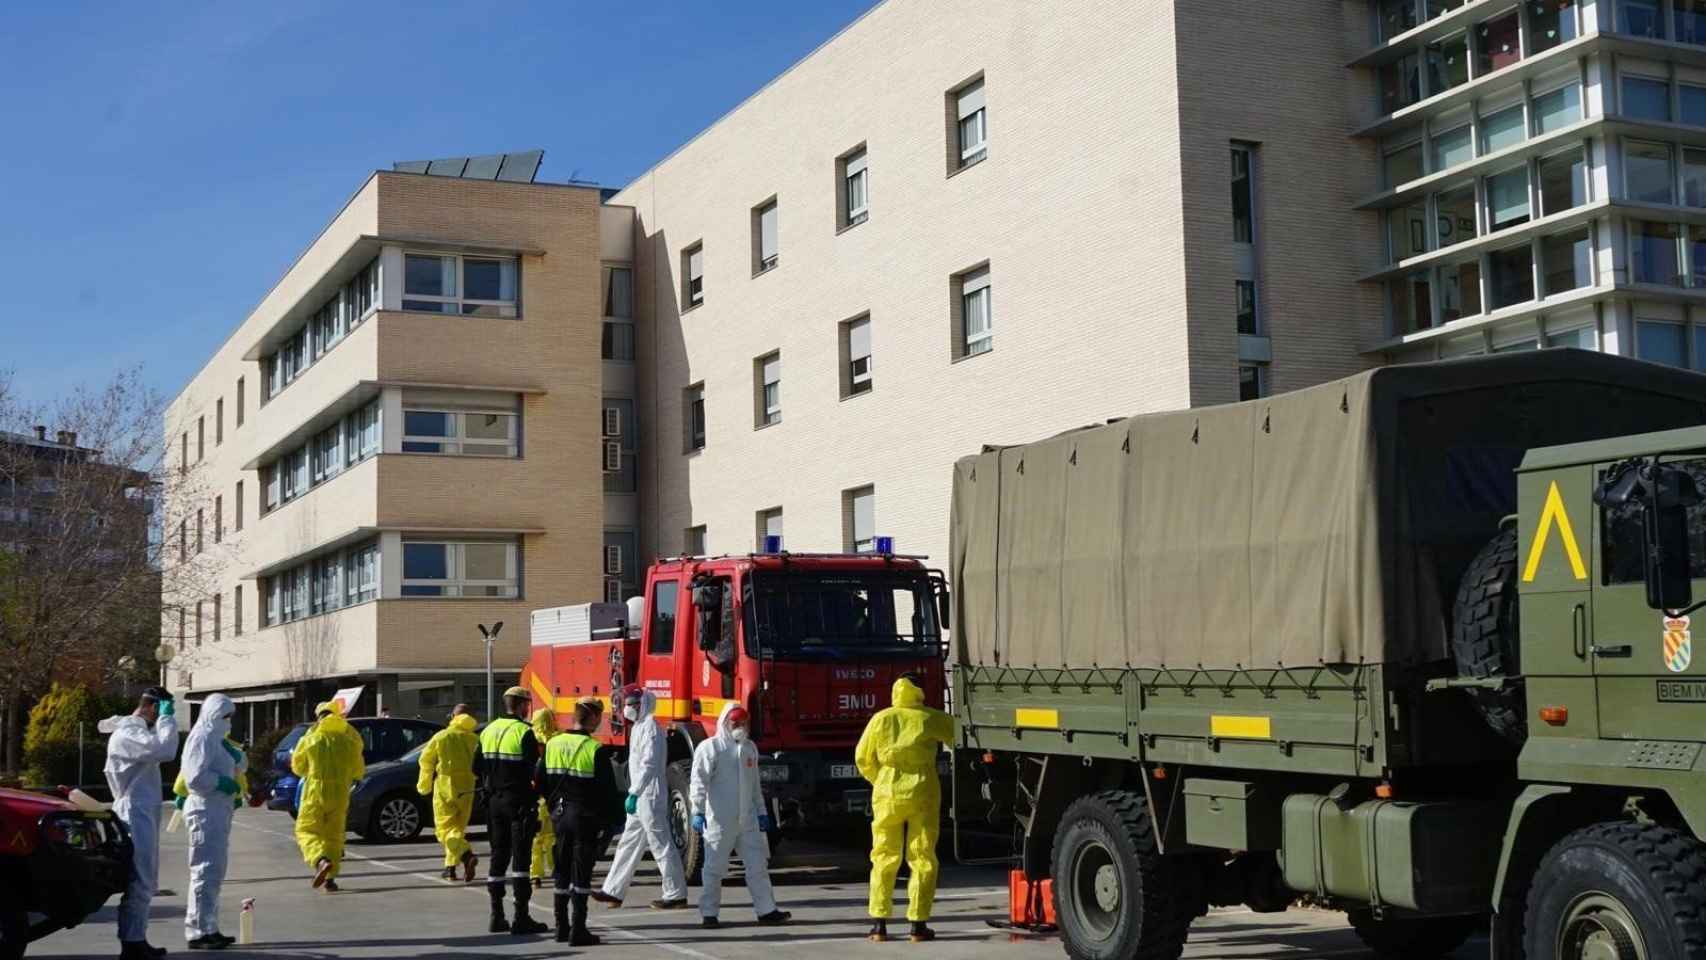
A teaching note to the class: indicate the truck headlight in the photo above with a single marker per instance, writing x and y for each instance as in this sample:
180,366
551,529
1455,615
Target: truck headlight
775,773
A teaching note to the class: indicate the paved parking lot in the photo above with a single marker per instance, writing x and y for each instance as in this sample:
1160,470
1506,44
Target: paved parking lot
393,905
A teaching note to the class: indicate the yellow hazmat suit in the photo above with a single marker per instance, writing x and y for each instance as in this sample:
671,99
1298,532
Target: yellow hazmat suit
328,759
545,839
447,774
897,754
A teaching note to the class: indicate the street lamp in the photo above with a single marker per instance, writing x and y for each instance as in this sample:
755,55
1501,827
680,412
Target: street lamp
164,653
490,637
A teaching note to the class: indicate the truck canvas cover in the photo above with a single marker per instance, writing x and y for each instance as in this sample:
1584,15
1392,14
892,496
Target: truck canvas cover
1327,525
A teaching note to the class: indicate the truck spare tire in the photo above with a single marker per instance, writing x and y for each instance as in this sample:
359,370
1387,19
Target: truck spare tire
1485,636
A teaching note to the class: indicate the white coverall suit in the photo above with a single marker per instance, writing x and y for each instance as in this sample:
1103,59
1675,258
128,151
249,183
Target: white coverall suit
210,772
134,755
726,792
648,826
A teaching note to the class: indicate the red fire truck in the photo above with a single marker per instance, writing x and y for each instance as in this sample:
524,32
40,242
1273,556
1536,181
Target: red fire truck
809,644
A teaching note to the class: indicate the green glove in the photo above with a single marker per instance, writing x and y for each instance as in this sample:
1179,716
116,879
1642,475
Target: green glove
179,802
630,805
168,708
228,786
237,802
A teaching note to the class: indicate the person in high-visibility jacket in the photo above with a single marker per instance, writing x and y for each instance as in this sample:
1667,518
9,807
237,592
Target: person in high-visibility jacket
580,788
447,775
545,840
505,765
897,754
328,759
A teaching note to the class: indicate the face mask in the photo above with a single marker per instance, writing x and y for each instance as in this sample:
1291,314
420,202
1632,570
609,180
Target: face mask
632,713
739,733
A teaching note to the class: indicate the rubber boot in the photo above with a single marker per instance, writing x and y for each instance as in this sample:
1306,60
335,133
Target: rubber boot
560,916
580,936
499,924
524,925
879,931
921,932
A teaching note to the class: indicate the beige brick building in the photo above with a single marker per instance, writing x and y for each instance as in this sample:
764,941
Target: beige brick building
400,442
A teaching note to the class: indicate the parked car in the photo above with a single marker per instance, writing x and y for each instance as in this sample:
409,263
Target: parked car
383,739
58,864
384,807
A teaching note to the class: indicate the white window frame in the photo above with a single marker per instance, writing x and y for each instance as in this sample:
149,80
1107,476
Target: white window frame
361,574
859,544
976,299
856,180
972,129
858,381
457,443
769,369
457,583
693,274
457,302
765,260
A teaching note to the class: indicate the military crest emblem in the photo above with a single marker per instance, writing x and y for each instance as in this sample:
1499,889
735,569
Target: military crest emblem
1678,644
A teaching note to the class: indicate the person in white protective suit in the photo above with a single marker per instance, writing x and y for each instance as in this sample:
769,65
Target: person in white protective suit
138,744
647,826
211,767
728,811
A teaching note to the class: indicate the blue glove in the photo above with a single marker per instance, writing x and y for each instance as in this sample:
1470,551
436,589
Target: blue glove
698,823
228,786
765,823
630,805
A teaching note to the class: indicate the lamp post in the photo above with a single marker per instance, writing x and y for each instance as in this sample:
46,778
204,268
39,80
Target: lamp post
164,653
490,637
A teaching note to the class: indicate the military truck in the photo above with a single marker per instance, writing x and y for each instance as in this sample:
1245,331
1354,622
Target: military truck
1415,645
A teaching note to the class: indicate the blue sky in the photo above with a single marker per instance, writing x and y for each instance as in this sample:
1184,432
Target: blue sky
166,161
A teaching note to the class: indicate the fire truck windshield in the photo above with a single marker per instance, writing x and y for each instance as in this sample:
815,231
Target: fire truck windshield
841,616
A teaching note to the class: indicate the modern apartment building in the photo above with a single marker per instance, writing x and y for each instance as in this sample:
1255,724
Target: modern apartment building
402,442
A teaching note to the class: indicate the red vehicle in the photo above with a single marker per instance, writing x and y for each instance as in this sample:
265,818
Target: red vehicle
58,864
809,644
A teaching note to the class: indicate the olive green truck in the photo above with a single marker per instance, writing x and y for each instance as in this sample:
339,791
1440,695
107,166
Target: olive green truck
1414,645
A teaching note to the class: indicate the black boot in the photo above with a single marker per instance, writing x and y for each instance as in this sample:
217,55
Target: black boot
921,932
524,925
879,931
560,915
580,936
499,924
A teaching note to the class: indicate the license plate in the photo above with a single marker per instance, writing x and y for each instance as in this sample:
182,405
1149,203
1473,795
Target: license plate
843,771
858,801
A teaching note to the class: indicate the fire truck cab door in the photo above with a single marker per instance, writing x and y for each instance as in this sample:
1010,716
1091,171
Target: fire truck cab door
715,683
667,648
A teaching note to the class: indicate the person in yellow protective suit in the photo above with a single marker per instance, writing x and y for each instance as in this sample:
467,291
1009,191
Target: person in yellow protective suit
545,841
447,775
897,754
328,759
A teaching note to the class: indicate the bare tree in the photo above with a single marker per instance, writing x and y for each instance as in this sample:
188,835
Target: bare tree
96,562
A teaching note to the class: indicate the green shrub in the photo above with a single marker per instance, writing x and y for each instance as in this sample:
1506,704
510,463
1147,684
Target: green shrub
50,738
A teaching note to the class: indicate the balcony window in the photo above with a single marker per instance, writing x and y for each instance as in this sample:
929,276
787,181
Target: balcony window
1459,291
471,286
460,569
1407,229
619,292
1248,320
460,433
1404,164
1507,199
1694,177
1400,83
1448,63
1502,129
1697,257
1453,147
1662,342
1498,43
1511,275
1691,101
1653,253
1647,172
1396,16
1456,215
1645,99
1566,260
1550,23
1563,182
1558,109
1640,18
1412,307
1690,20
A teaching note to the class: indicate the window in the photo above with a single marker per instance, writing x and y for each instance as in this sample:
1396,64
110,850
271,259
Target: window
1400,83
218,614
612,456
219,421
1653,252
693,541
1396,16
1246,293
855,188
361,434
1502,129
218,518
237,518
973,126
618,313
183,541
184,454
460,433
198,621
272,489
618,340
1646,171
471,286
1511,272
237,611
1453,147
1581,338
183,618
326,454
1563,182
1448,63
612,426
1498,43
856,357
976,328
767,379
1690,20
1566,260
1550,23
1459,291
200,541
1697,257
1404,164
1243,195
769,525
1694,177
764,251
1691,100
1411,303
460,569
1646,99
361,574
660,638
693,275
693,414
1252,381
859,516
239,401
1557,109
200,439
1507,199
1457,215
1661,342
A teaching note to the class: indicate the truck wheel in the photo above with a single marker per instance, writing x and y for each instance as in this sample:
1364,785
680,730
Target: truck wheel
1484,635
692,847
1116,897
1412,938
1619,891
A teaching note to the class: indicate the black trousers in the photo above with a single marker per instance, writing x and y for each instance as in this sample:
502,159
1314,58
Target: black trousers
579,837
512,819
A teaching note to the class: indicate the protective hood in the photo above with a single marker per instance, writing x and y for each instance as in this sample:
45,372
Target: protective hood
328,706
724,731
544,724
464,722
332,724
648,705
905,693
205,756
121,722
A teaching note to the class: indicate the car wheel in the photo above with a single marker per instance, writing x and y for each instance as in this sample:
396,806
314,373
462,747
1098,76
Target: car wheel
397,818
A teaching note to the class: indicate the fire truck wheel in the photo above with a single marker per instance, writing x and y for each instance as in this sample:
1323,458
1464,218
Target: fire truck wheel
678,775
1621,891
1413,938
1115,895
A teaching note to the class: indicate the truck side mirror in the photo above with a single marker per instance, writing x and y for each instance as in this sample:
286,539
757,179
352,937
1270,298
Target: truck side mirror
1664,537
943,605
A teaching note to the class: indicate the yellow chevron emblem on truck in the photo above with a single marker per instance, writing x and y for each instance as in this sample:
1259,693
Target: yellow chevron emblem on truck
1552,514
